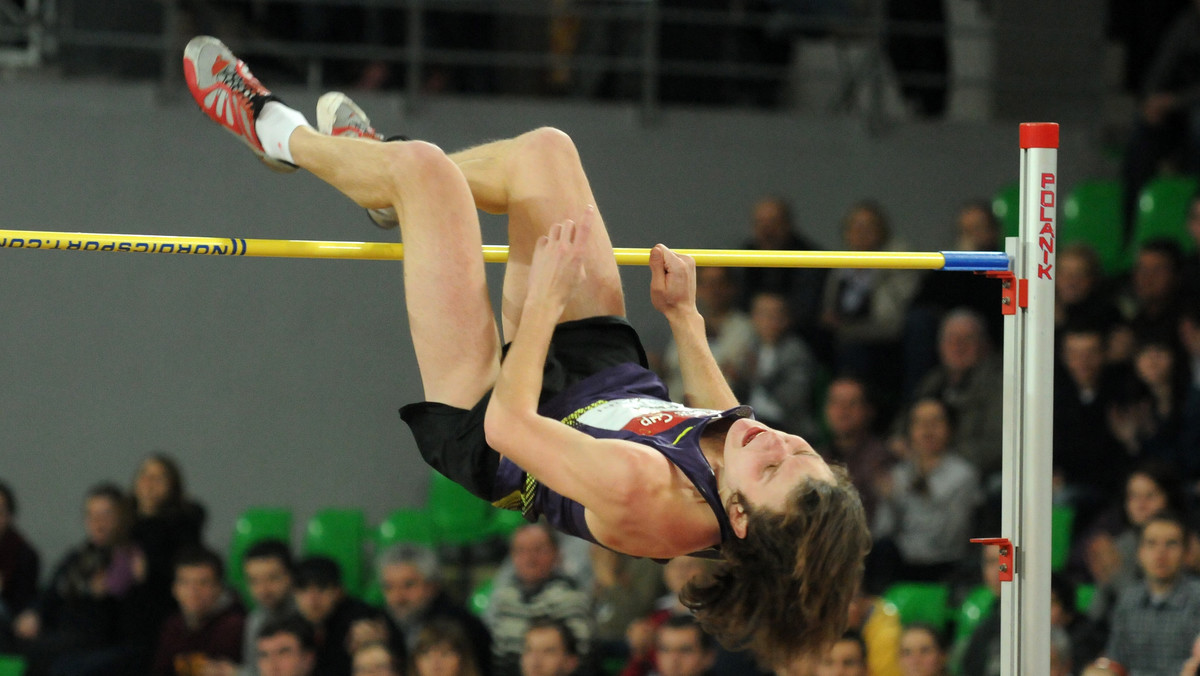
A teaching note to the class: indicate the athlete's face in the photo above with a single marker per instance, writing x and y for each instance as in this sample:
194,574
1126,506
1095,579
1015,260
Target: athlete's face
764,465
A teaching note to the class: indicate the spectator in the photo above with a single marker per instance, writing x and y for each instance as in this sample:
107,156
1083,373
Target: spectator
322,601
878,622
1190,271
625,590
1061,659
538,590
682,648
922,525
165,522
375,659
77,624
922,651
981,654
1089,461
939,291
1165,128
442,649
1149,423
267,565
850,417
1156,620
967,379
1085,638
1189,433
411,578
777,382
550,649
1111,552
1079,296
19,565
729,330
1151,302
286,647
773,228
641,633
847,657
864,309
208,626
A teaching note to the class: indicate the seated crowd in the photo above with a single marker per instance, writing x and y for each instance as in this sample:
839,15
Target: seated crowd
895,374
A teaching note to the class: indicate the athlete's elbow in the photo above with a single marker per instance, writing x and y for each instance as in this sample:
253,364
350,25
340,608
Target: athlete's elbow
501,425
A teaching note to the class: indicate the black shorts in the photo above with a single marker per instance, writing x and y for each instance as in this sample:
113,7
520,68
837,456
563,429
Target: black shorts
452,441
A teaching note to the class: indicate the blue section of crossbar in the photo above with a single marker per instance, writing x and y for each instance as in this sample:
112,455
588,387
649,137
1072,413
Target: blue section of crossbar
977,261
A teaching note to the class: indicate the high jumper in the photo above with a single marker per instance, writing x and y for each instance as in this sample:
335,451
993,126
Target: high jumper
565,421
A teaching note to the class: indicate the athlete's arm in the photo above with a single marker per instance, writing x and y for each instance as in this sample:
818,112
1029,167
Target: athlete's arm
673,292
604,475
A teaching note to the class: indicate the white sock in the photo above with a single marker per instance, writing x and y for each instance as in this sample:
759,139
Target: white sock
275,125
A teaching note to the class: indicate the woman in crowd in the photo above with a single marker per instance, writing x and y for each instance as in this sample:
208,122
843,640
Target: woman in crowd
922,651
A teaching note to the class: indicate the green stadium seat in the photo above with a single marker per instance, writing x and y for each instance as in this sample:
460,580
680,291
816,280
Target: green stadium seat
405,525
974,608
1162,210
458,517
340,534
12,665
925,602
1083,597
254,524
480,598
1062,520
1093,213
1006,208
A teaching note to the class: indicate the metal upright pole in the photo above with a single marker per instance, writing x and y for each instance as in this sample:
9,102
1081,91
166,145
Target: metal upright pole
1029,359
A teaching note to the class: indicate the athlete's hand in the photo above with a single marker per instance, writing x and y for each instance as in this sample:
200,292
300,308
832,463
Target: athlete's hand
557,267
672,281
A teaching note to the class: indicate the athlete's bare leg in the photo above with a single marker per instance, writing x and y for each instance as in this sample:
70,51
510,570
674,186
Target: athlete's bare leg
538,180
449,312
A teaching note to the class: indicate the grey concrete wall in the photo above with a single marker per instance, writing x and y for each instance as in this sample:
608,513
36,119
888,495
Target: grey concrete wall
277,381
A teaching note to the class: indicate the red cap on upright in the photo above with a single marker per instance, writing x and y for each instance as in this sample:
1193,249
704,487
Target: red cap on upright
1039,135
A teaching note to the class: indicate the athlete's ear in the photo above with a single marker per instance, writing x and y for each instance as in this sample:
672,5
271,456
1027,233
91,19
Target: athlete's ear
738,518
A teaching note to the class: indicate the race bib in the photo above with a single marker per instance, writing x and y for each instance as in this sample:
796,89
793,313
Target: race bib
644,416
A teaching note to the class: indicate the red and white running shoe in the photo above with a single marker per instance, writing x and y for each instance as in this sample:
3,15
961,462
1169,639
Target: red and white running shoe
337,115
228,92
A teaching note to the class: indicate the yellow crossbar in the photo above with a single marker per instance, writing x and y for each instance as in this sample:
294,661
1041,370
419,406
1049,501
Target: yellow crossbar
281,248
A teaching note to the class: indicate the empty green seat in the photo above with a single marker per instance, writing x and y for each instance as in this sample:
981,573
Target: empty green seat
1162,210
1093,213
1006,208
458,517
1083,597
254,524
11,665
974,608
405,525
925,602
339,534
1062,519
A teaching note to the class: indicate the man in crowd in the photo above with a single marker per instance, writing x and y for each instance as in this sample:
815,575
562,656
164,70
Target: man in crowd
322,601
286,647
538,590
550,649
208,625
847,657
1157,618
683,649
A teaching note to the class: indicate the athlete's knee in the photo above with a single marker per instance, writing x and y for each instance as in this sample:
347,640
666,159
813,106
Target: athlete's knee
548,143
417,160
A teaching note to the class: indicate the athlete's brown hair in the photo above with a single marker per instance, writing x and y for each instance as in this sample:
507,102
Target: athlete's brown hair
785,589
